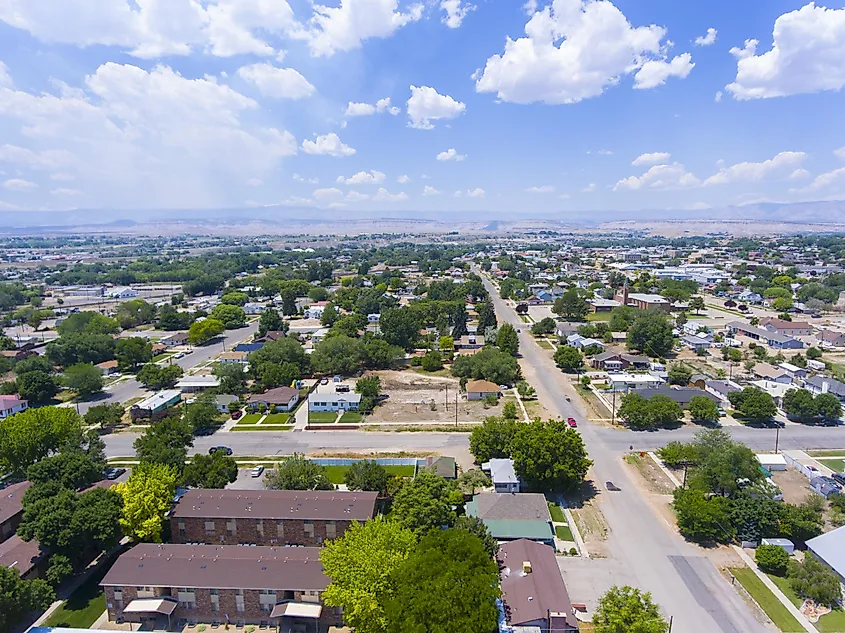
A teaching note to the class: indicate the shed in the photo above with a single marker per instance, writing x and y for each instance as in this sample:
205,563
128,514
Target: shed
784,543
771,462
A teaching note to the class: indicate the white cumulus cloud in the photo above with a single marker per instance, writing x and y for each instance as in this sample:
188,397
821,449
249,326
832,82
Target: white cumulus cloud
707,39
450,154
279,83
839,153
783,163
363,178
589,188
329,145
18,184
456,11
651,159
807,56
541,189
68,193
426,105
383,195
403,179
832,180
478,192
574,50
357,196
430,191
673,176
367,109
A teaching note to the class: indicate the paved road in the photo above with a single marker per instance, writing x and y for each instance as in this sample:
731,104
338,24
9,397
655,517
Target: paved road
650,552
131,388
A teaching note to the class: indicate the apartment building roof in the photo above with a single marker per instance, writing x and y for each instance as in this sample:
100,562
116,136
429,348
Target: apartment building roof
219,567
11,500
317,505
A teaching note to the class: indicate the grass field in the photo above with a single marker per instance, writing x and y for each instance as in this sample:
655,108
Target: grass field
564,533
83,607
250,418
276,418
336,473
598,316
351,417
544,344
557,513
766,599
836,465
321,417
263,427
831,452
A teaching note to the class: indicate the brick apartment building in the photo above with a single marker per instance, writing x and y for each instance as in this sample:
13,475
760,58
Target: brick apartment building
11,508
267,517
167,585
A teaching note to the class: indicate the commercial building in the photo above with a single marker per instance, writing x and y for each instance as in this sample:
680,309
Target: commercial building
167,585
534,595
772,339
642,301
156,405
267,517
787,328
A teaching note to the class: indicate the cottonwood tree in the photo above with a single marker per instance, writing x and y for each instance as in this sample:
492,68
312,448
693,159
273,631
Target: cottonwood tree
147,495
628,610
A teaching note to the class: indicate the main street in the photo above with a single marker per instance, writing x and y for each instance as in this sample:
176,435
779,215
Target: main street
650,554
130,388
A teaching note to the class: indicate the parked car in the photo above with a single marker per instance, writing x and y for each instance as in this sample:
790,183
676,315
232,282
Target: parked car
224,449
113,473
237,414
571,422
256,472
839,478
205,431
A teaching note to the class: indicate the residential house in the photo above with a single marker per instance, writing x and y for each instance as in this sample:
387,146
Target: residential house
696,343
10,405
108,367
25,557
502,474
162,585
330,401
681,395
830,338
721,389
764,371
177,338
469,341
614,361
822,384
267,517
787,328
319,336
373,318
252,307
825,486
155,406
223,401
583,342
233,358
284,398
793,370
772,339
625,382
513,516
534,596
195,384
480,389
249,348
315,310
749,296
17,354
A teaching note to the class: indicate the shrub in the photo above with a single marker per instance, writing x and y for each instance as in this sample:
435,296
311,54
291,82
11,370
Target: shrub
772,559
573,551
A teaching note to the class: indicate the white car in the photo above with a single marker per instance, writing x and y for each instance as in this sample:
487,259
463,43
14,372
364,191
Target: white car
256,472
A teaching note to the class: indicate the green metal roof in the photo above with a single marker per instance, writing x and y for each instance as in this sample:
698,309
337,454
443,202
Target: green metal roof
512,529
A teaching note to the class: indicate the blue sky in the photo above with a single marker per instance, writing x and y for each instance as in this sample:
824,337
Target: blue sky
560,106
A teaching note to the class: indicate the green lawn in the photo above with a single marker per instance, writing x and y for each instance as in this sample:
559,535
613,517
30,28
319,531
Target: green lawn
161,356
351,417
564,533
249,418
833,622
598,316
557,513
336,473
836,465
321,417
83,607
276,418
766,599
833,452
544,344
263,427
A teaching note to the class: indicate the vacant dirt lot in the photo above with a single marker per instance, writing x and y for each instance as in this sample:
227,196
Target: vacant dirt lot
415,397
795,486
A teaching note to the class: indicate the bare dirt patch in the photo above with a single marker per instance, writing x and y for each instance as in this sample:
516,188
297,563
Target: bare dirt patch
795,486
415,397
655,479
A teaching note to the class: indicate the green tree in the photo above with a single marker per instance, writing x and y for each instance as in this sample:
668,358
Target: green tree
271,321
573,305
133,351
732,354
201,413
492,439
232,378
651,333
89,323
664,411
549,456
432,361
814,580
782,304
507,339
771,559
486,315
675,453
147,495
329,316
753,403
238,299
426,503
509,411
157,377
525,390
473,479
338,355
696,303
379,354
478,528
361,566
703,410
636,411
201,332
166,442
488,364
72,468
82,347
628,610
544,326
216,470
135,312
105,415
401,327
37,386
32,435
366,475
702,519
19,598
297,472
621,318
448,583
230,316
568,358
722,463
84,379
814,353
827,406
799,403
679,374
279,352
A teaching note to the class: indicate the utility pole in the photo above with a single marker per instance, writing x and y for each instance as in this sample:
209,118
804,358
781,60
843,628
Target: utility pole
447,397
671,617
777,438
613,410
456,409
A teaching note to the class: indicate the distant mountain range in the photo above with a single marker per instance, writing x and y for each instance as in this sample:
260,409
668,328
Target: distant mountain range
287,220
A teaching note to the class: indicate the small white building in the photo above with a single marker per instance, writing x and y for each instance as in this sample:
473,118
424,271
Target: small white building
332,401
625,381
502,474
194,384
122,293
771,462
784,543
254,308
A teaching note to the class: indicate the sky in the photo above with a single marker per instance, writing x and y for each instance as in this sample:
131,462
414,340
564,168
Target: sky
394,105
